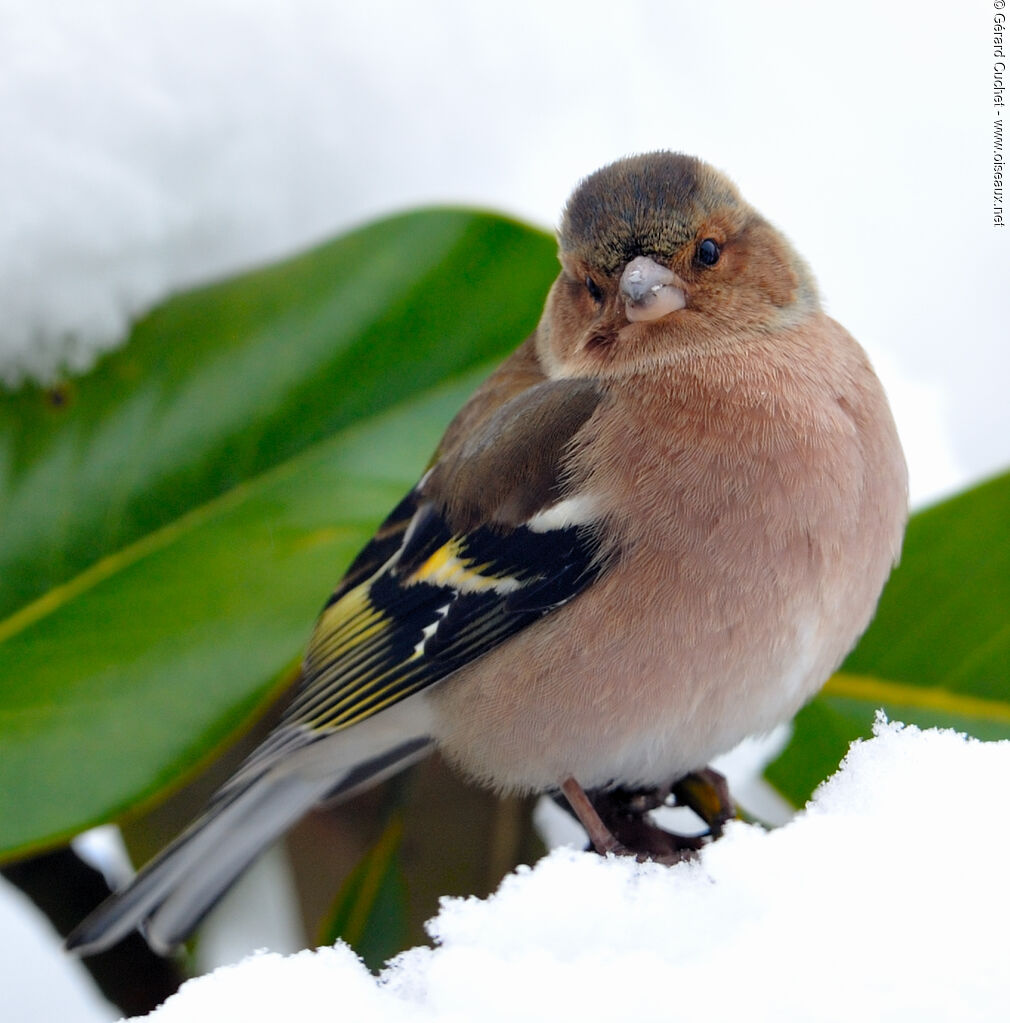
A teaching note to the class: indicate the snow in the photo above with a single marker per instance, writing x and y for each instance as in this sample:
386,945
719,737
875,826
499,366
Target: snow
40,981
861,908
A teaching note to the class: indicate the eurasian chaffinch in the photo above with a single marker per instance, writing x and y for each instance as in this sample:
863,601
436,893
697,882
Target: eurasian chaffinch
656,529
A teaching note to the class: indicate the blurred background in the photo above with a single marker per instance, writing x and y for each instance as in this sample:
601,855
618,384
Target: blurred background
148,148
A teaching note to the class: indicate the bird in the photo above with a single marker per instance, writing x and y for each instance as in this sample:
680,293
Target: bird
655,530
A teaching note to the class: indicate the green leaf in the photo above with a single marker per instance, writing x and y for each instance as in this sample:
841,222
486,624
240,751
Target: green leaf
222,383
938,651
171,530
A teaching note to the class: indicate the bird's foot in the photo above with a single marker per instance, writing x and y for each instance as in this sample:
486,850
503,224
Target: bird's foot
707,794
617,822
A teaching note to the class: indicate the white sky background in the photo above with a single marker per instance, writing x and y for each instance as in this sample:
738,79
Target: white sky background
151,146
148,147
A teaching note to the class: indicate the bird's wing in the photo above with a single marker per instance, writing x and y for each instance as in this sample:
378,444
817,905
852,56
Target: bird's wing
488,542
485,545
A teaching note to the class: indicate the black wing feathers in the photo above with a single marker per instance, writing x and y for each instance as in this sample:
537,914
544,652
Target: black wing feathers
453,572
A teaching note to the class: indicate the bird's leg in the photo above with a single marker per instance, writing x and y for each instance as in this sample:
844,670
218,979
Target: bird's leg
600,835
625,813
616,820
707,794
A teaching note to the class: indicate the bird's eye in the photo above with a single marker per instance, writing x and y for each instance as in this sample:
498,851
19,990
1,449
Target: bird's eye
595,291
708,252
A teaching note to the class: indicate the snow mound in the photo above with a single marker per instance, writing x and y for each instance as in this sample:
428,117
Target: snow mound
886,898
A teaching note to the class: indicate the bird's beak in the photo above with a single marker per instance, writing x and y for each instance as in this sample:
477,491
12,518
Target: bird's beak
650,290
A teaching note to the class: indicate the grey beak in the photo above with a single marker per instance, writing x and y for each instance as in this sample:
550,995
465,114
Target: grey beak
650,290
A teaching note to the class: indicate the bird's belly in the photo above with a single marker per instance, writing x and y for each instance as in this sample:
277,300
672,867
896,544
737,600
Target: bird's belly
633,705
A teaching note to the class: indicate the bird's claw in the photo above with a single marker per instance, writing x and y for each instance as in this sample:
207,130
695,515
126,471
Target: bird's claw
707,794
617,819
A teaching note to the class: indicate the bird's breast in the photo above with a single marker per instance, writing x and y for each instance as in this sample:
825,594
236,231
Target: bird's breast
752,536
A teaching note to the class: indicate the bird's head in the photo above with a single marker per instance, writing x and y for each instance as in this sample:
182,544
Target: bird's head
661,258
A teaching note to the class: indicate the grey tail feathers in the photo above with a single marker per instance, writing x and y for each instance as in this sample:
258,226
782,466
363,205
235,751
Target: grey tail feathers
176,890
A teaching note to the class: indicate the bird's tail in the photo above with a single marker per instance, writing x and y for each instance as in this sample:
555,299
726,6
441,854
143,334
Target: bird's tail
173,893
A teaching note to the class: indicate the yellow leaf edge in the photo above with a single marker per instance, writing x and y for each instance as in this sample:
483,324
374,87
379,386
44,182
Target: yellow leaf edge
881,691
